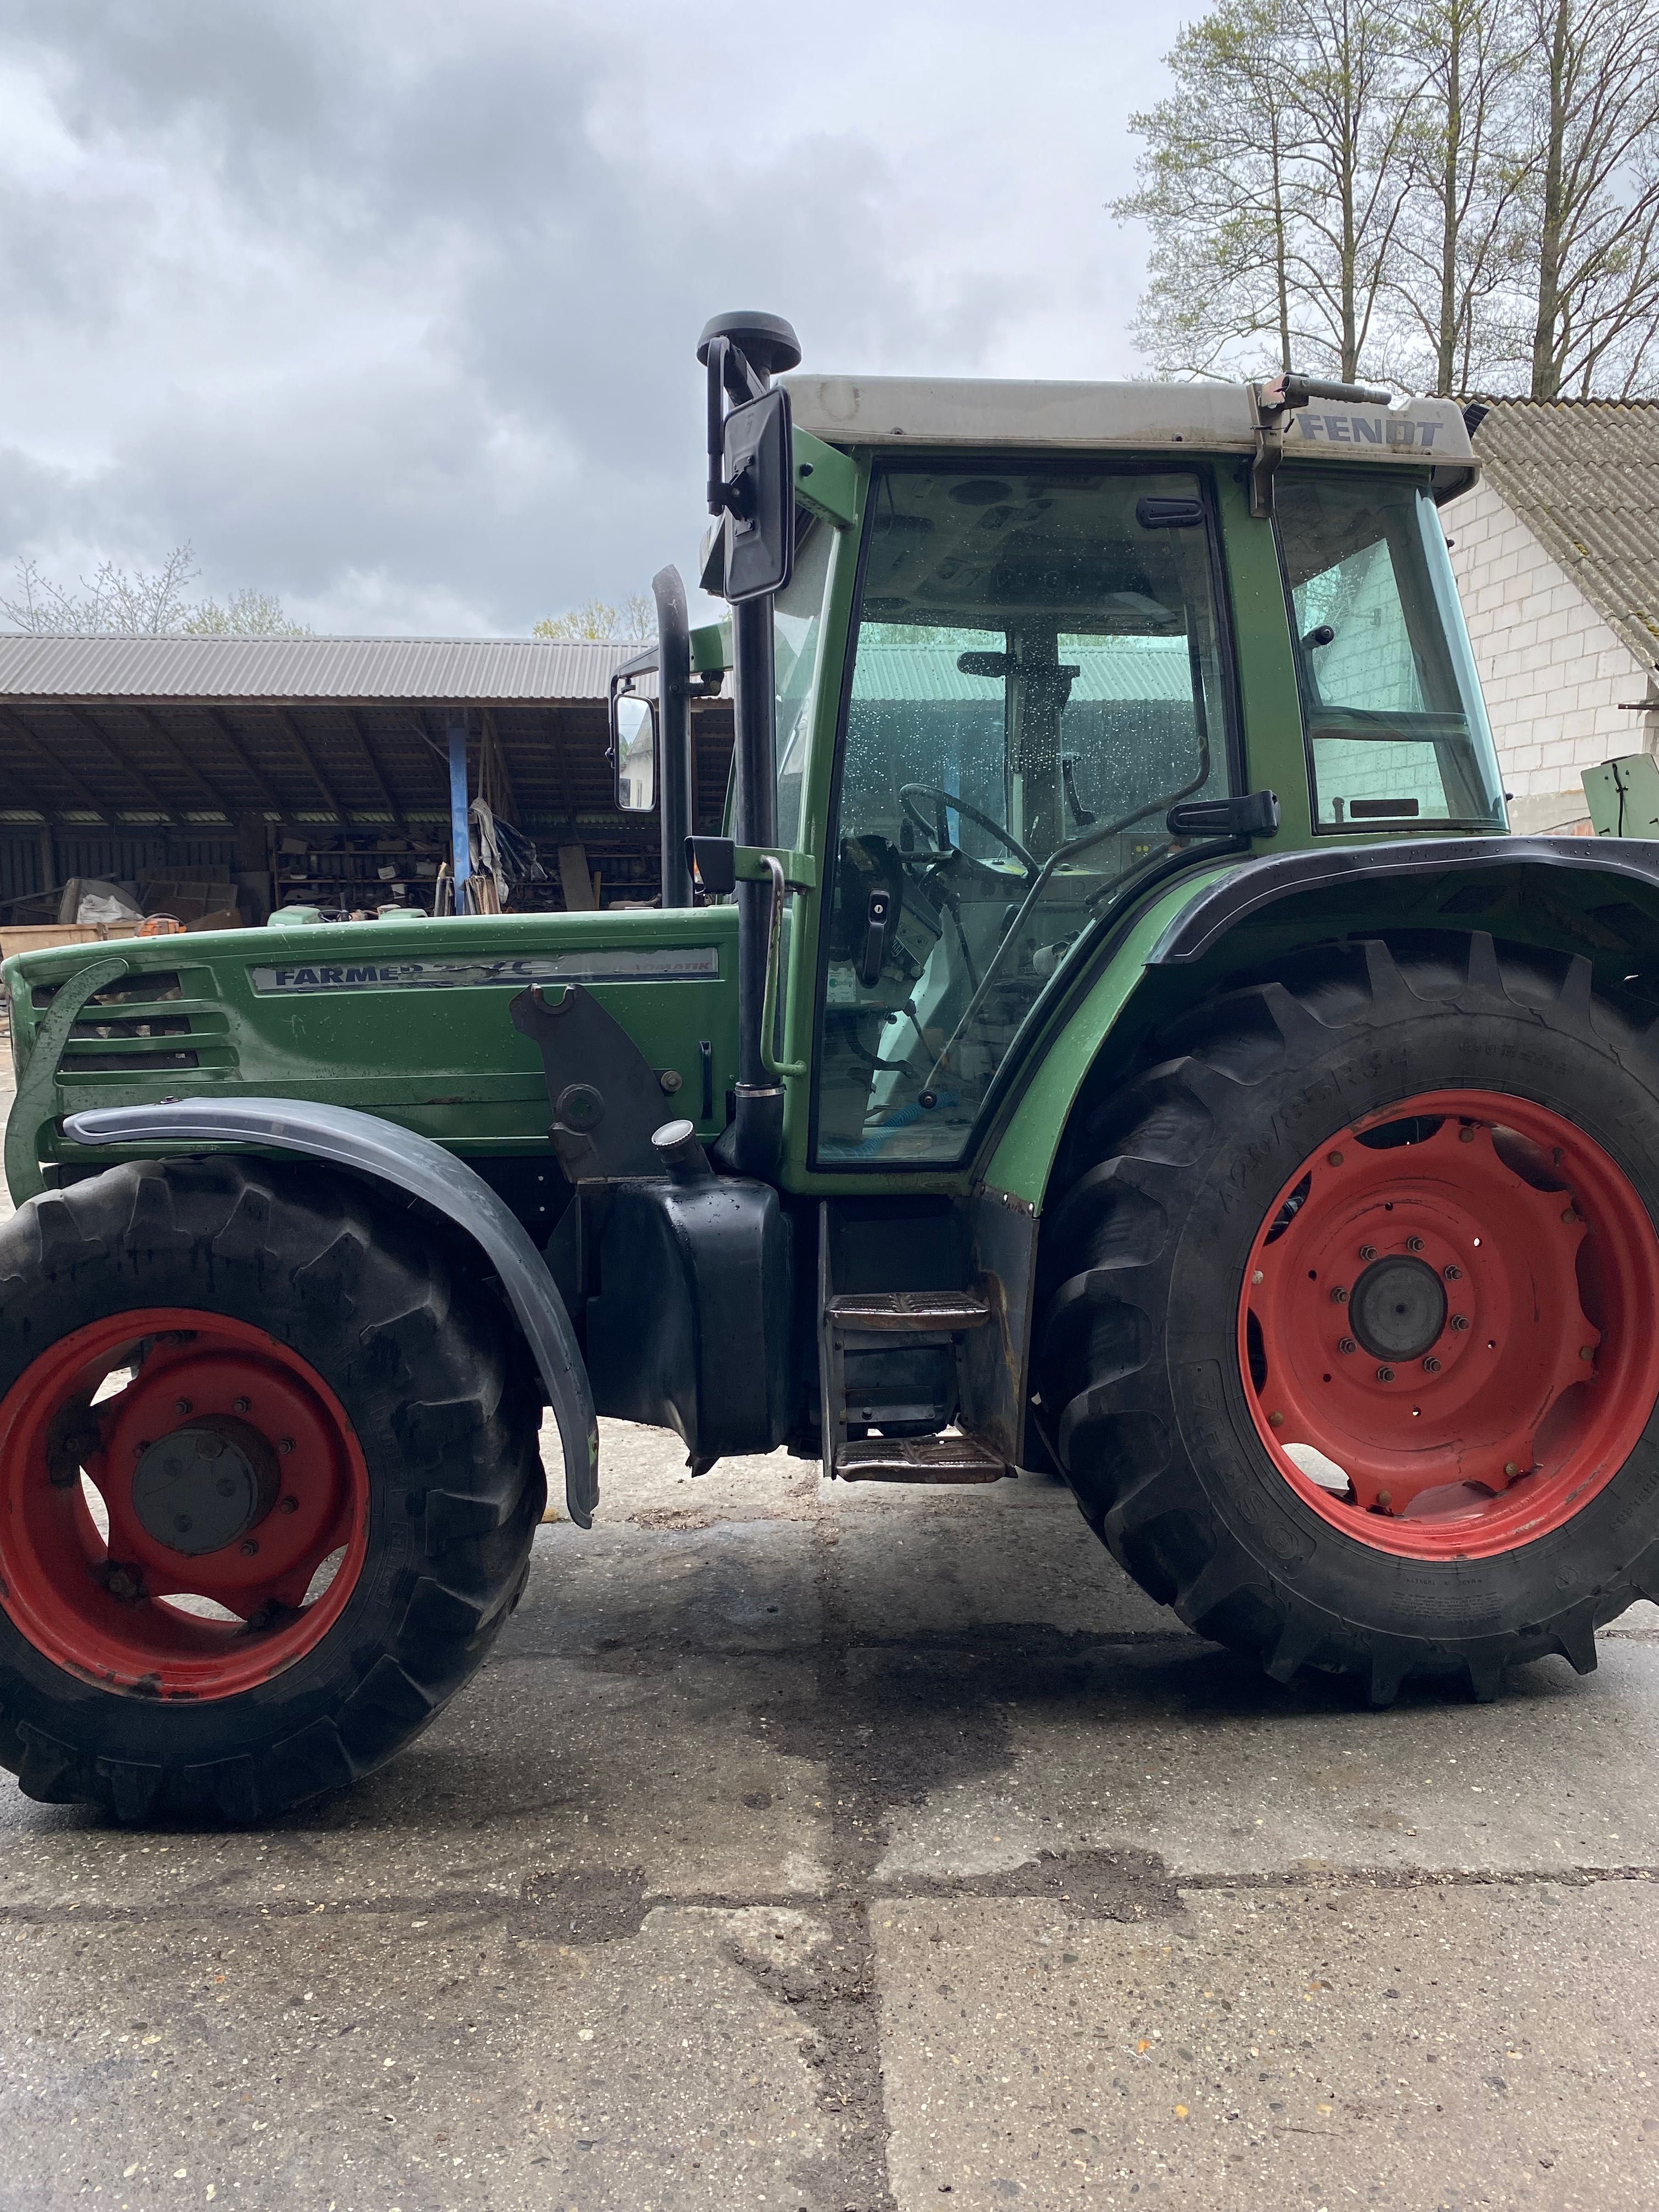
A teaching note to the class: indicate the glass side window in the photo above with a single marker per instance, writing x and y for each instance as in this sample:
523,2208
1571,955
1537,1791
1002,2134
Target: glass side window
797,632
1036,679
1397,735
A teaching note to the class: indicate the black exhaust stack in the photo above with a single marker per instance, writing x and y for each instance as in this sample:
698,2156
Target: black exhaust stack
675,802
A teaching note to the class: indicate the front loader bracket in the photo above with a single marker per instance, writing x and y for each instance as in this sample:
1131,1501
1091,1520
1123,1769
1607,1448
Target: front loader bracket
607,1098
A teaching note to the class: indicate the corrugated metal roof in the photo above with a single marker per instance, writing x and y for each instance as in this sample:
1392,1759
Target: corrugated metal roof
1583,476
291,668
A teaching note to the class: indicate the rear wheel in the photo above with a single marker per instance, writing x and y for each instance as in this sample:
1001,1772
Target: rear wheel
268,1483
1348,1345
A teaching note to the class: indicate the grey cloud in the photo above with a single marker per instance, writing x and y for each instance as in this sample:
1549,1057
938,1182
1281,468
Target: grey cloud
391,313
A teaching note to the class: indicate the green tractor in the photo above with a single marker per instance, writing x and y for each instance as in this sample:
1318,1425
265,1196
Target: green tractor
1118,1040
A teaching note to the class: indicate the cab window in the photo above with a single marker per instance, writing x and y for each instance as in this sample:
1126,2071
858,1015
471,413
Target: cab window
1396,730
1036,678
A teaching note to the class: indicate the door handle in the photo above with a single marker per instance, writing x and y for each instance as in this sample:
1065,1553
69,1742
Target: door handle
878,913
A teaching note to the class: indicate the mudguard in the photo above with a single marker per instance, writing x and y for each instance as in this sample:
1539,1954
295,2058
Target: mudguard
418,1168
1247,891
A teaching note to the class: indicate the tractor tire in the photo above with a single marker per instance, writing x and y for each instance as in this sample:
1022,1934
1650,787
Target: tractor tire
1345,1336
256,1567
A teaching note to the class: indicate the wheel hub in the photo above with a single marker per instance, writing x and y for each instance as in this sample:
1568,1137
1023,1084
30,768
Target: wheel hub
201,1487
1397,1308
184,1503
1445,1326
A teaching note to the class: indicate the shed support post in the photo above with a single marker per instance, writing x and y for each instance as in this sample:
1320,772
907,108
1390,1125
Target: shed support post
460,832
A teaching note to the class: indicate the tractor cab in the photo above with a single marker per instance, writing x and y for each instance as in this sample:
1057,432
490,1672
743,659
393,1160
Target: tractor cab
1027,651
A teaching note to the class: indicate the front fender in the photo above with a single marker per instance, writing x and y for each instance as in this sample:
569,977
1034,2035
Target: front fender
417,1168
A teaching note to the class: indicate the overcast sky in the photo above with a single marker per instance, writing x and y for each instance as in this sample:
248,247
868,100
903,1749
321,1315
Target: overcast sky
388,307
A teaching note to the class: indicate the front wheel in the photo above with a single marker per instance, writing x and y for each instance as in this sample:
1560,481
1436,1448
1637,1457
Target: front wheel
269,1479
1348,1346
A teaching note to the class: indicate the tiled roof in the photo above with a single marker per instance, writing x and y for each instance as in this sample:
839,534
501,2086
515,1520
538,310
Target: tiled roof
1583,476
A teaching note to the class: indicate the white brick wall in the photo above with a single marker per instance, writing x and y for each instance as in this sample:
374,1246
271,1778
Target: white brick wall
1553,672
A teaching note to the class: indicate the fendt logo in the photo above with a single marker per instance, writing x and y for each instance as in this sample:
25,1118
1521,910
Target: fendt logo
1368,427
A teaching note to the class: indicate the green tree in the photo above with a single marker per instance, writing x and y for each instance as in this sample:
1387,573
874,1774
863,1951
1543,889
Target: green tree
1273,185
1461,194
1219,192
597,622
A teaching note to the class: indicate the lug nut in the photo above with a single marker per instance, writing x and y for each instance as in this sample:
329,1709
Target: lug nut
285,1443
1275,1421
1587,1351
181,1405
1510,1467
1466,1135
1431,1365
1336,1158
1413,1244
1453,1274
288,1505
1368,1251
1460,1321
1385,1498
1570,1217
250,1547
239,1405
1339,1298
1385,1374
1257,1276
1347,1344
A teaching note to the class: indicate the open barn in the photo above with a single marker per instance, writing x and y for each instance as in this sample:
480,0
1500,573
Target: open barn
218,777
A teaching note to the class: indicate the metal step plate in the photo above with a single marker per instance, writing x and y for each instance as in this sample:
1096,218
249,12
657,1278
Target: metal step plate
919,1459
908,1313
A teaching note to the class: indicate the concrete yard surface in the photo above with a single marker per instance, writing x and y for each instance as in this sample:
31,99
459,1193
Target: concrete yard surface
860,1851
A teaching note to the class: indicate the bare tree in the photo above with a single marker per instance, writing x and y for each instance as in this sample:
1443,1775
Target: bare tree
138,603
115,602
1593,196
1451,293
1357,95
597,622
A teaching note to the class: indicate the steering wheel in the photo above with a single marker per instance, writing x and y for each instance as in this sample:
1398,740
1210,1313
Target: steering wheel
910,793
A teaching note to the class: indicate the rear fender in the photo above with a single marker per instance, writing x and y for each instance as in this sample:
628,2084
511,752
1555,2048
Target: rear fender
414,1167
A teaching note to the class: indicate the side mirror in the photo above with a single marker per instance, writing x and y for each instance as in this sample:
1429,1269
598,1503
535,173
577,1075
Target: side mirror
634,751
760,497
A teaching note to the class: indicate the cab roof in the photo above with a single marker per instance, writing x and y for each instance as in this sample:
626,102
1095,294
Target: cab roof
1142,418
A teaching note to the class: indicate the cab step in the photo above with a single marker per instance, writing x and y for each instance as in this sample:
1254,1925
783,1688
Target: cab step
919,1459
907,1313
892,1357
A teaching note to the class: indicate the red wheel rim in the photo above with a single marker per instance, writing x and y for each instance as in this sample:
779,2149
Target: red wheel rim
226,1480
1446,1325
